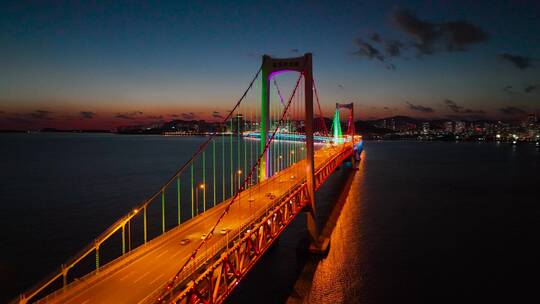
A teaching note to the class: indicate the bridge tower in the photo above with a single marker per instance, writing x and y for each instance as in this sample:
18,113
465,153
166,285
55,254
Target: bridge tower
303,65
350,124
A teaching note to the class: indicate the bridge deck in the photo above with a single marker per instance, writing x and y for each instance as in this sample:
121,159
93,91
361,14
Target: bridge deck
132,278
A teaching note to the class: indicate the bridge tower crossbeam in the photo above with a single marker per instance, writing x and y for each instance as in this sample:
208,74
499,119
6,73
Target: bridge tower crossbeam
272,66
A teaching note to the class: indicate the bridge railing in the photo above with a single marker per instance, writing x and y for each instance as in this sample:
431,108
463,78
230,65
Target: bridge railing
208,255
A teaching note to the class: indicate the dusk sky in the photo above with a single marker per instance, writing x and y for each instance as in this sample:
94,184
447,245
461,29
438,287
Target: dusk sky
75,64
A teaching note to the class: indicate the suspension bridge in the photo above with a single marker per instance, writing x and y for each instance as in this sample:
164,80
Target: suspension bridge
198,235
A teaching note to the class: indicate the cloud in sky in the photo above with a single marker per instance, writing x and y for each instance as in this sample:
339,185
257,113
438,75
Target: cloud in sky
429,38
375,37
393,47
34,117
189,116
434,37
216,114
40,115
508,89
367,50
455,108
520,62
390,66
512,111
530,88
87,114
129,115
419,108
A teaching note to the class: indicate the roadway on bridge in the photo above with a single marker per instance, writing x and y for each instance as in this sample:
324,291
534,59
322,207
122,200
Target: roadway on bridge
132,278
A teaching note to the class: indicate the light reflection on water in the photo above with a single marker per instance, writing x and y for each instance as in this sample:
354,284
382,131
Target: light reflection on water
340,266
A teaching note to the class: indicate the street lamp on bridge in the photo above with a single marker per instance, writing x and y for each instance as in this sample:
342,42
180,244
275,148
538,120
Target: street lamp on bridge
201,186
239,173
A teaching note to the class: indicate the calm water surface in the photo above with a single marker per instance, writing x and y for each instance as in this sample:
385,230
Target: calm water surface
423,222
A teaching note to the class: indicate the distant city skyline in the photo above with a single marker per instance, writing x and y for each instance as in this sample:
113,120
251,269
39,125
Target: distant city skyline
99,66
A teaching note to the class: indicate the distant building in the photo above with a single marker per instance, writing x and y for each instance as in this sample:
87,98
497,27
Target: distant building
460,127
389,124
448,127
238,124
532,119
392,124
425,127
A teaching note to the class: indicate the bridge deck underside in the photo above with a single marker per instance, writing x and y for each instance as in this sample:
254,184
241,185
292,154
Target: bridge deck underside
132,278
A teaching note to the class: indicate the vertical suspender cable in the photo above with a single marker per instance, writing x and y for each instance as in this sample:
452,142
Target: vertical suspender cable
232,169
214,169
223,166
163,211
145,232
204,179
238,149
178,194
192,194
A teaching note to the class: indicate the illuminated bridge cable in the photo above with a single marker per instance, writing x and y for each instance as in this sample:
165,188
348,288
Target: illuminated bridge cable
231,157
123,239
336,126
321,116
204,179
178,198
280,143
97,257
251,143
245,144
214,170
223,167
145,232
238,148
163,211
227,208
192,194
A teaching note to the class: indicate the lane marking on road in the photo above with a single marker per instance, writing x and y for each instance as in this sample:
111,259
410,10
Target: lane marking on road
157,278
159,255
127,275
177,253
141,277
